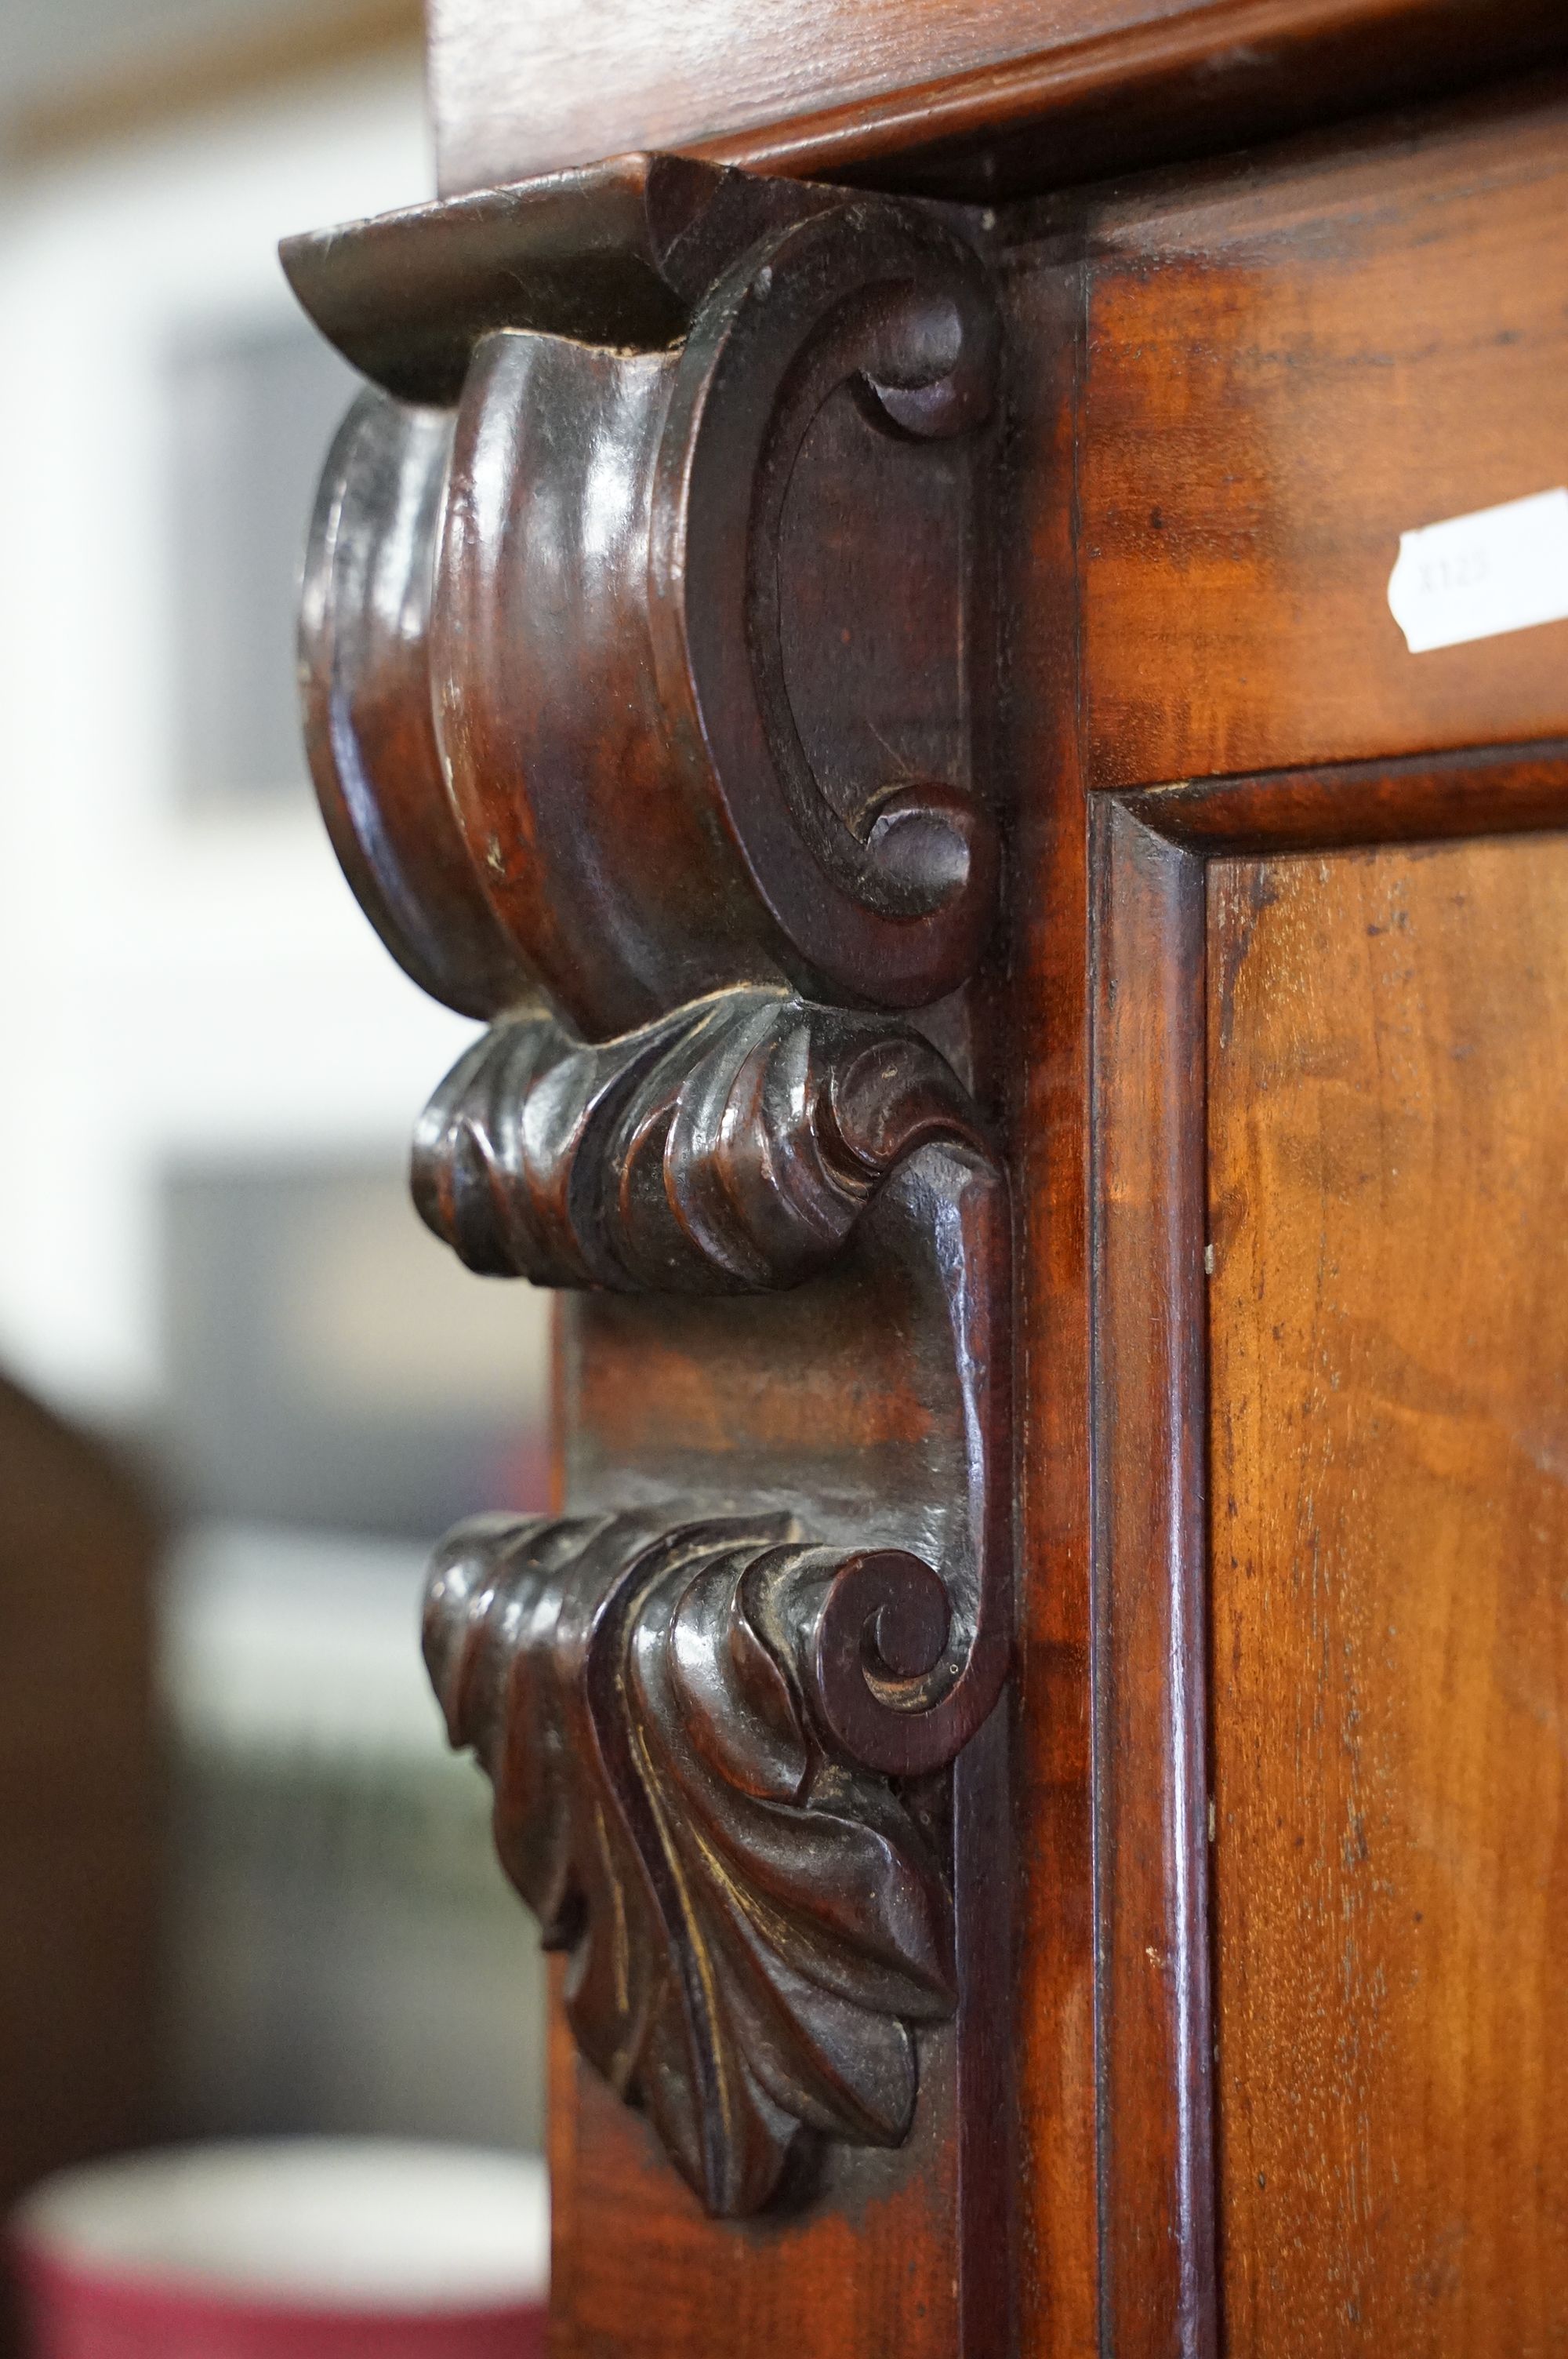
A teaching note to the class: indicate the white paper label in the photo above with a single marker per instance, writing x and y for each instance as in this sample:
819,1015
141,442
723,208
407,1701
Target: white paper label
1500,569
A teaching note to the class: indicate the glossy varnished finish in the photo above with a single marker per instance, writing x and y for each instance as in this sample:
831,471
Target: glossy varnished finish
805,1394
691,1716
1160,968
1148,1554
872,2268
757,1925
1507,790
971,98
601,583
1292,361
1040,1042
619,253
1390,1372
1130,604
735,1149
622,726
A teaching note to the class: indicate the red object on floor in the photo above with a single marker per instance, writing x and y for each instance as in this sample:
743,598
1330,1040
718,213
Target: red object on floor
72,2315
280,2252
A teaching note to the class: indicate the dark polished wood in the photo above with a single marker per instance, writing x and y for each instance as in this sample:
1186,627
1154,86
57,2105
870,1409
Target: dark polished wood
621,730
980,99
1486,790
1156,1204
690,1726
872,2267
1037,1040
810,1394
1159,1200
1149,1543
601,693
619,253
755,1921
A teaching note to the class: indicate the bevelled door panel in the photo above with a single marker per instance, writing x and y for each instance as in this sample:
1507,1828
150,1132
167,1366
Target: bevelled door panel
1388,1706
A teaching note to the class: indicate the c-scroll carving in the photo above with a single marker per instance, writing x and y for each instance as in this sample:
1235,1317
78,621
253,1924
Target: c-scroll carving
562,601
605,762
893,902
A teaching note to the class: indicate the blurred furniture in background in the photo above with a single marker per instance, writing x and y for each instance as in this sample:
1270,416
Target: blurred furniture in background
228,1280
79,1797
86,76
339,1956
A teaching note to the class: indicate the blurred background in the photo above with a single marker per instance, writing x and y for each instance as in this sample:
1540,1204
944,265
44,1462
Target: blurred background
246,1888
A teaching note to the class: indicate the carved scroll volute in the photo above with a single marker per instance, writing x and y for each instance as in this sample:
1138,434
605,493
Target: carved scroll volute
627,740
693,1729
885,898
364,628
733,1147
574,608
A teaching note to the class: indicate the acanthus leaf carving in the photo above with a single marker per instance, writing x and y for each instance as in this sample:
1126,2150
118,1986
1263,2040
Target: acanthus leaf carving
754,1922
727,1148
633,743
732,1149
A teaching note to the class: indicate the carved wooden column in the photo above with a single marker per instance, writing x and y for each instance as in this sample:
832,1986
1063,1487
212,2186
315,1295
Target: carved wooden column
647,659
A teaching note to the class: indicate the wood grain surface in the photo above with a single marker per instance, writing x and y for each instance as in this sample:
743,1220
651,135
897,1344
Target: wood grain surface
1148,1534
970,98
1290,363
1227,391
1036,1039
871,2270
1389,1080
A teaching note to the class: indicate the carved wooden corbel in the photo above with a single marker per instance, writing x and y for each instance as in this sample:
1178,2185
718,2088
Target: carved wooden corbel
644,631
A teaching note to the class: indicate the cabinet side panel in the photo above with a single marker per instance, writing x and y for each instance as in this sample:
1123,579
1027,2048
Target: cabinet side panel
1389,1207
